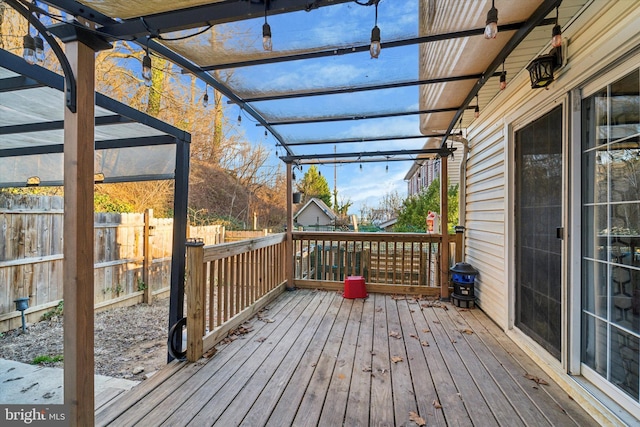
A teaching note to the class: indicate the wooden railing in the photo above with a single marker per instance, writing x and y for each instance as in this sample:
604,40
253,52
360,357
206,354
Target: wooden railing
407,263
228,283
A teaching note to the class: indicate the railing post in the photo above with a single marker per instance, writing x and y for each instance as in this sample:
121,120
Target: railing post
444,225
195,290
289,242
147,260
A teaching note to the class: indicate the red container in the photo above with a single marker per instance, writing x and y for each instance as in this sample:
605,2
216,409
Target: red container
354,287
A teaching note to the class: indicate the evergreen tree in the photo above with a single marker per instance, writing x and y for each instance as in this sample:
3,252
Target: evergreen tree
314,185
412,217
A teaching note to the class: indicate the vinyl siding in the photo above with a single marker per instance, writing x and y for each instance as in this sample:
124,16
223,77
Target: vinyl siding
606,32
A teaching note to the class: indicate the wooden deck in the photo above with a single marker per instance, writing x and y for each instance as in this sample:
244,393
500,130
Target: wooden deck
315,358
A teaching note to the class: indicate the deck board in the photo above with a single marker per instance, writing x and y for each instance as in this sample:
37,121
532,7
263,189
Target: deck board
317,359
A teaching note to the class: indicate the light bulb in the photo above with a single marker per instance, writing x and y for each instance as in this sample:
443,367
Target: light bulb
146,70
476,112
267,44
205,100
375,47
503,81
556,36
39,44
491,30
239,119
29,49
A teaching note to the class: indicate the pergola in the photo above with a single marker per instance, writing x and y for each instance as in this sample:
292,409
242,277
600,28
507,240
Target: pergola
318,92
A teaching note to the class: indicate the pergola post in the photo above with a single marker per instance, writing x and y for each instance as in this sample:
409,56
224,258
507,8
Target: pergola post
444,221
289,243
180,199
78,240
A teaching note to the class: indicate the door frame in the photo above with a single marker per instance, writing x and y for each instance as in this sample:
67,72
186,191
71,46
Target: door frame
525,115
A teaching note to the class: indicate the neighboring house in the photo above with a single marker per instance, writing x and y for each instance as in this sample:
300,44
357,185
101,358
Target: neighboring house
424,170
551,208
315,213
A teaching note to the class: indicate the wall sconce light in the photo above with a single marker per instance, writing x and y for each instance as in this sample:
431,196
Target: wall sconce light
491,30
33,181
541,68
503,79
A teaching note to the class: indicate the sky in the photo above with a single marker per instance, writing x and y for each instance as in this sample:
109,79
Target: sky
348,25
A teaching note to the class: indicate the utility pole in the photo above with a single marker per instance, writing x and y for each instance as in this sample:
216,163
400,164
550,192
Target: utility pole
335,182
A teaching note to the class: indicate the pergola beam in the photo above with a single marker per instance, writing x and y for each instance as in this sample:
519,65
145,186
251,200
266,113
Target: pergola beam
371,139
359,155
362,117
59,124
11,84
362,48
193,17
365,88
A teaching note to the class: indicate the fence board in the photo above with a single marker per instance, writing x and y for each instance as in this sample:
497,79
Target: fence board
31,243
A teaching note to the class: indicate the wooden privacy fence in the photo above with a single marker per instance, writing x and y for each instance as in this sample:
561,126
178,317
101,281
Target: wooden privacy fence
228,283
407,263
132,255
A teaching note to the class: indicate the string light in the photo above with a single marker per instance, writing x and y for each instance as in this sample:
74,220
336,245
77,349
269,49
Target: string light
29,49
205,97
267,43
491,30
503,79
146,67
240,116
39,44
556,34
375,47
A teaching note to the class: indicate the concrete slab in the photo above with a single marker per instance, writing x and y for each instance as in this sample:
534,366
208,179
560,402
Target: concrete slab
21,383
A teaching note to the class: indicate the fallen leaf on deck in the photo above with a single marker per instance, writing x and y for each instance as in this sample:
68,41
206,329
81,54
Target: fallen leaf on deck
267,320
417,419
436,321
261,339
536,379
437,404
445,307
396,359
210,352
366,369
463,309
395,334
426,330
453,341
396,297
425,344
379,309
413,336
466,331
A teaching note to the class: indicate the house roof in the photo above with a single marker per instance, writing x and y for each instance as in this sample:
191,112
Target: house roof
318,88
322,205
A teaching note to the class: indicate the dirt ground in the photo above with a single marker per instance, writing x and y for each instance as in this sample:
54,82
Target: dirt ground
130,342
